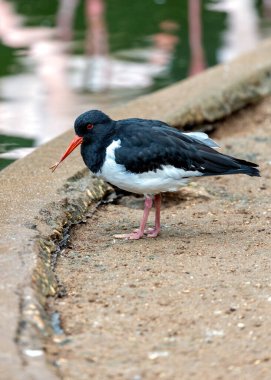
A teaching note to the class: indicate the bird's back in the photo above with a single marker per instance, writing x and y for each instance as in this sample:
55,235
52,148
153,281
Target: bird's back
148,156
148,145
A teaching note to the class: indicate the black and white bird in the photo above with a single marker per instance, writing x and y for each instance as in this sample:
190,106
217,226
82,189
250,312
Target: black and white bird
148,157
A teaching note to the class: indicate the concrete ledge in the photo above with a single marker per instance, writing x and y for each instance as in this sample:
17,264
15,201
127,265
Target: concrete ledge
37,206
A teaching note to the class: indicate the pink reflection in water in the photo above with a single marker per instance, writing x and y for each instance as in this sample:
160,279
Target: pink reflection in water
242,33
65,17
43,98
97,37
267,9
164,43
46,98
97,71
197,61
13,34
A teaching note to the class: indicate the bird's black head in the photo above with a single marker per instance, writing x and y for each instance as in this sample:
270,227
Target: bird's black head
83,126
87,120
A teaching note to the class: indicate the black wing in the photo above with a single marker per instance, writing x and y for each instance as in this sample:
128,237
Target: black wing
147,145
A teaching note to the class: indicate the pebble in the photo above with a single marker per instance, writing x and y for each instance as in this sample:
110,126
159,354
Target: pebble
33,353
210,334
158,354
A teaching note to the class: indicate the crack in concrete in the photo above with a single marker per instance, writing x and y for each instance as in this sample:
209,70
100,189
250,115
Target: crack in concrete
53,225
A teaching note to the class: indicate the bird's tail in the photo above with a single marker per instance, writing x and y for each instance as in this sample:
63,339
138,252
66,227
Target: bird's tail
246,167
216,163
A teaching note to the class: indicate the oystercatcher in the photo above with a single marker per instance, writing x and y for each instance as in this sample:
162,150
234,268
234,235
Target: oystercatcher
148,157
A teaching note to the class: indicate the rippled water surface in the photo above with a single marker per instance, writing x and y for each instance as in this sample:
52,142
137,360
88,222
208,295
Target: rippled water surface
60,58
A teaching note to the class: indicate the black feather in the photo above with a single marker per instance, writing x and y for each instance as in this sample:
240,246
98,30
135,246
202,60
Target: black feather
148,145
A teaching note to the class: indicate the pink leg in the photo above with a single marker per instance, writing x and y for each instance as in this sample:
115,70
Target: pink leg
153,232
140,232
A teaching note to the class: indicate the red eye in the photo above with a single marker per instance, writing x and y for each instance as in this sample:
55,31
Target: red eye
89,126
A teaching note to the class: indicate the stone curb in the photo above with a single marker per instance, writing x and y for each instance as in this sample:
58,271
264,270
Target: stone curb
37,206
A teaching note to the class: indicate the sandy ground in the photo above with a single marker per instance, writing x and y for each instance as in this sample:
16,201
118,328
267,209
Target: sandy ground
194,303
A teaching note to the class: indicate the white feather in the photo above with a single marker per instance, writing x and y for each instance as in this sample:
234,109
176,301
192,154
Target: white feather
168,178
203,138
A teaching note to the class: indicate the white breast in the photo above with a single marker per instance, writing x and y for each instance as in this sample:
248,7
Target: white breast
168,178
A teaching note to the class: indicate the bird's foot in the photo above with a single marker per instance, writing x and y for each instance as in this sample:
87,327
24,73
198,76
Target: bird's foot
132,236
152,232
138,234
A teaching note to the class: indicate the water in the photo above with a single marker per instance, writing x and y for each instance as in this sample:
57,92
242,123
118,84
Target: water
56,323
60,58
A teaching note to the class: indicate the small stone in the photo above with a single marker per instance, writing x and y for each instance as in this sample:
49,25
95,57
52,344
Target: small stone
210,334
158,354
232,309
137,377
33,353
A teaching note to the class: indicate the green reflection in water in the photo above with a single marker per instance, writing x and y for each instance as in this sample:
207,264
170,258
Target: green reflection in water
5,162
8,143
130,24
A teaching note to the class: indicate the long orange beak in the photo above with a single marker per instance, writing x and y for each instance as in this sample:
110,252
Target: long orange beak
75,142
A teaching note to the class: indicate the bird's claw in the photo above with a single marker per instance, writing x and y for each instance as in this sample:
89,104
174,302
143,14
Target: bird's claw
131,236
150,232
136,234
153,232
